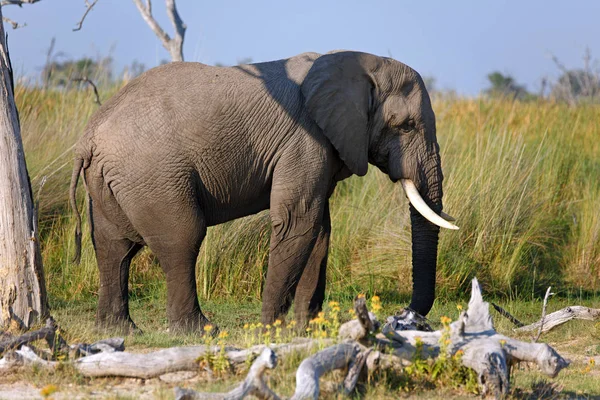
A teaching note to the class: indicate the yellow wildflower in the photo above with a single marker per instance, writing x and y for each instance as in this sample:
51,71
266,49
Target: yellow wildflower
48,390
223,335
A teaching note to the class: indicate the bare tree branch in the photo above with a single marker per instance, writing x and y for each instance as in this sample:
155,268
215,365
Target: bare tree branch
179,26
17,2
173,45
548,294
91,83
508,315
146,12
87,10
15,24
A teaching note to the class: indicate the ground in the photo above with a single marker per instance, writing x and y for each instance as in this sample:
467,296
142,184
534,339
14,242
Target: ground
578,341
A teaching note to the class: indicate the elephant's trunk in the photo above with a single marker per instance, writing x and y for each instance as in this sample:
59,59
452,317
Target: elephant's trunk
425,239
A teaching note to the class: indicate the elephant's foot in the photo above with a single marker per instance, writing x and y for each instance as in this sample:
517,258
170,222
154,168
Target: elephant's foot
121,325
194,324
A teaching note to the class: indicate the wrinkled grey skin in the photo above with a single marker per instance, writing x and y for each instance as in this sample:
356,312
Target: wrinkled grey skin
185,146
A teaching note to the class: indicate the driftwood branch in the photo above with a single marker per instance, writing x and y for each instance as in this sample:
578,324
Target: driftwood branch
47,333
355,369
361,327
253,385
546,297
88,8
559,317
311,369
173,45
550,321
91,83
160,362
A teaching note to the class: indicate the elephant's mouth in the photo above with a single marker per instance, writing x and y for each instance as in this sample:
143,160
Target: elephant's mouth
442,220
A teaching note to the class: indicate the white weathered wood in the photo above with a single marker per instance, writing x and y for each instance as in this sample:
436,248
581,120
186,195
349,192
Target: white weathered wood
311,369
25,356
542,320
22,290
355,369
485,351
160,362
364,324
253,385
559,317
378,361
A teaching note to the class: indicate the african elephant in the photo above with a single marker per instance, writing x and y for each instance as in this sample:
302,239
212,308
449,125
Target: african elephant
185,146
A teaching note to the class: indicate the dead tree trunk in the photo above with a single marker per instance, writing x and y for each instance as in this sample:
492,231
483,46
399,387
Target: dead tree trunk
22,288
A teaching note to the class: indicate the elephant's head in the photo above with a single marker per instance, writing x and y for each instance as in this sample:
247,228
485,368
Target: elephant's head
376,110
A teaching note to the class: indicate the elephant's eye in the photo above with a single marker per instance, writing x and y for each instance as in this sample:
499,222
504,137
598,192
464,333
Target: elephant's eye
408,126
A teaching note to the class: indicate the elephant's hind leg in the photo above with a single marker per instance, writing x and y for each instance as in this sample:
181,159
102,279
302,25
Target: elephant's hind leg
174,233
114,254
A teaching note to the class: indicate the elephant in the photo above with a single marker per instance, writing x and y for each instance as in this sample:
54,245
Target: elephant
185,146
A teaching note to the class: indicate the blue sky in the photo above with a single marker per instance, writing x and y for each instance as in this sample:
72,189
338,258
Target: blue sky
457,42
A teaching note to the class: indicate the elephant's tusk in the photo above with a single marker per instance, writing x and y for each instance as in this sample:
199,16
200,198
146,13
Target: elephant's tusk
419,204
447,217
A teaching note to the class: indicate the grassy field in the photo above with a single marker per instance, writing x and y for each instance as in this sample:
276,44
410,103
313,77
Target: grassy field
521,178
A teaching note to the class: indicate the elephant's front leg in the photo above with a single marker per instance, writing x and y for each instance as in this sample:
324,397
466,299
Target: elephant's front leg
297,208
292,241
310,292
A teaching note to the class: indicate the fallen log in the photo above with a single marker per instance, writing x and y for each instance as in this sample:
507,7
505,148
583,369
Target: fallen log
153,364
559,317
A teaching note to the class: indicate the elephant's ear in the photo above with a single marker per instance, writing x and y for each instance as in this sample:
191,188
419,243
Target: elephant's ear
336,91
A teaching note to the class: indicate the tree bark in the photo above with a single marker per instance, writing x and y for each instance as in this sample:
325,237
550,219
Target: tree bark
22,288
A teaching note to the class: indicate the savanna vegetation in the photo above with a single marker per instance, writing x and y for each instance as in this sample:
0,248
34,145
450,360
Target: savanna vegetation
520,177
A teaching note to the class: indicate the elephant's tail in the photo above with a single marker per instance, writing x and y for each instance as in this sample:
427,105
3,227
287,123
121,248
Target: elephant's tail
77,167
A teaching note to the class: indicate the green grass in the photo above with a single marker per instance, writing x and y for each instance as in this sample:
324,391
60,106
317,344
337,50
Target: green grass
521,178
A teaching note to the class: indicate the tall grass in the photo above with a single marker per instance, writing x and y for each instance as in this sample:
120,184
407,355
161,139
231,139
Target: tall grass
522,179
